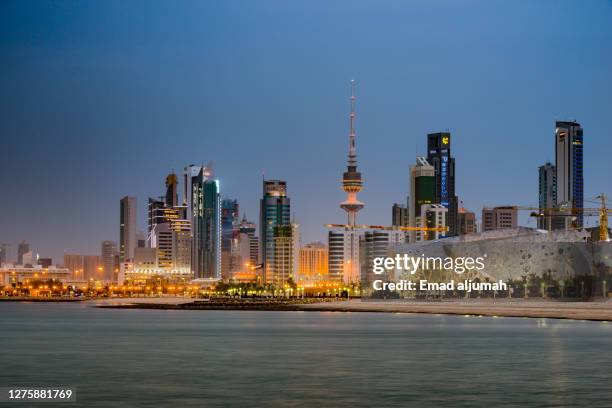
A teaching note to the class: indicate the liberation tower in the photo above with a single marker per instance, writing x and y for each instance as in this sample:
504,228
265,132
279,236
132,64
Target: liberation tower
351,180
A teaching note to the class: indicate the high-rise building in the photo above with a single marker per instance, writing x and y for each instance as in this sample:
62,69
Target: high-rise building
92,268
281,264
230,229
439,156
205,225
399,215
467,222
569,167
108,253
4,253
374,244
422,192
45,262
127,228
171,199
351,185
547,193
432,216
249,243
22,248
169,235
499,218
312,262
275,211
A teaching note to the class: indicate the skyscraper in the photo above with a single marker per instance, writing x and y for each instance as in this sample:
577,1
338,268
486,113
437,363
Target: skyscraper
205,226
229,236
127,228
439,156
171,198
345,266
422,192
376,244
4,249
547,193
109,250
275,211
22,249
399,215
569,167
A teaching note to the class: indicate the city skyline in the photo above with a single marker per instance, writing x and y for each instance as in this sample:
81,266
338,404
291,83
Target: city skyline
80,167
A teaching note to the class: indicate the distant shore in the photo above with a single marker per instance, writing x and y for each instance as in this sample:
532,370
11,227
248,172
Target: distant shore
597,309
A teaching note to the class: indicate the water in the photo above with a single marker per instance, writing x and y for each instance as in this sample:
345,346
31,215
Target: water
140,358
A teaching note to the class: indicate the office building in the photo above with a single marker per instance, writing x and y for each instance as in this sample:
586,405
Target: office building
569,168
205,225
127,228
374,244
45,262
108,255
312,263
399,215
22,249
422,192
432,216
275,211
439,156
229,237
499,218
467,222
547,194
4,253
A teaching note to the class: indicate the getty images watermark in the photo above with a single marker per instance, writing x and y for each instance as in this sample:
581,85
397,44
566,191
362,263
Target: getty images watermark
403,264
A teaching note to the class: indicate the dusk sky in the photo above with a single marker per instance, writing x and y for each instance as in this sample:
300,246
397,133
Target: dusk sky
102,99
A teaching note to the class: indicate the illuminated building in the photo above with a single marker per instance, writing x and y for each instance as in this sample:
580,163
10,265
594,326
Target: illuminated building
569,167
281,264
439,156
499,218
547,193
229,237
275,211
13,274
127,228
422,191
169,233
205,225
344,256
312,265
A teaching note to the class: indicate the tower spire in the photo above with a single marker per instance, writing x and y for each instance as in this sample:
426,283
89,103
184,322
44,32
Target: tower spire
352,157
351,181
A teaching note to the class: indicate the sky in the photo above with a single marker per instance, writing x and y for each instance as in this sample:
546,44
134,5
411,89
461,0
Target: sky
102,99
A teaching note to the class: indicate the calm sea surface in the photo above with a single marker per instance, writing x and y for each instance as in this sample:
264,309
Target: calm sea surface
173,358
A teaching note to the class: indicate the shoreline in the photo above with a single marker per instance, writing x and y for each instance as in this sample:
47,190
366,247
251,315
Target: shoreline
597,310
594,310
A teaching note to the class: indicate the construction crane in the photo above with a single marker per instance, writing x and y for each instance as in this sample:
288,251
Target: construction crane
602,212
388,228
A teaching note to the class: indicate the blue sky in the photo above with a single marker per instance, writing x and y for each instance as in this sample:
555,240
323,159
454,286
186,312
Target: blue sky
99,99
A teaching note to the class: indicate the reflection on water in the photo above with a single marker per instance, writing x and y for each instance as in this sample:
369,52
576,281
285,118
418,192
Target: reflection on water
221,358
